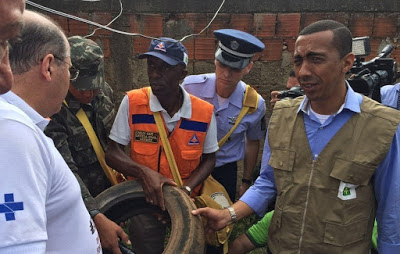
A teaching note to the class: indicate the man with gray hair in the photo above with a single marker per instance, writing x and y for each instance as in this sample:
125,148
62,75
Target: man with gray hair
43,208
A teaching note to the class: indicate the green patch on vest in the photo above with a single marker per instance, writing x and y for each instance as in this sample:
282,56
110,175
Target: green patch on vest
346,191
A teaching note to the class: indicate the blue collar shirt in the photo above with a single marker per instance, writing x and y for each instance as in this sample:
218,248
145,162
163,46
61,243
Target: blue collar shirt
386,177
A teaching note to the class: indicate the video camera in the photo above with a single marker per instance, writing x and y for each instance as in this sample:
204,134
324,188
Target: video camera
368,77
294,92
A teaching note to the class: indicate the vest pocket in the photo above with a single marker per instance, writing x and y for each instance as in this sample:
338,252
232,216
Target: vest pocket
143,148
282,161
344,234
191,159
352,172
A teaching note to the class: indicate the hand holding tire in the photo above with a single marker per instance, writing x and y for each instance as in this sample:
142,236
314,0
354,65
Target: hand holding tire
216,219
152,183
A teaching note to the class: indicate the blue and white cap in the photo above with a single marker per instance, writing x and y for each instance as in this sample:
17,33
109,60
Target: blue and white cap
169,50
236,48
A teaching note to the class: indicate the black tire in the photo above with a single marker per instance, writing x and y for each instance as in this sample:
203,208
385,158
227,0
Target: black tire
126,199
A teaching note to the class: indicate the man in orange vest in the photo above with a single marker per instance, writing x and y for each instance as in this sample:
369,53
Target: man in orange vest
191,129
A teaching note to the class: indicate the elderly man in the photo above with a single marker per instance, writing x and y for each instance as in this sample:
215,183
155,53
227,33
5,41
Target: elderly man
43,210
90,94
331,157
191,130
226,91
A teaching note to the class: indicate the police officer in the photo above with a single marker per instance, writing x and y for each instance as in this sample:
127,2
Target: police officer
87,91
225,90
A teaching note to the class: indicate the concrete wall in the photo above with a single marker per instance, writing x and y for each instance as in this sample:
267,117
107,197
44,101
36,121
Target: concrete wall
275,22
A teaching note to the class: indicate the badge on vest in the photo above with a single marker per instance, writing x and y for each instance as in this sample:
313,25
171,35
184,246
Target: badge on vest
347,191
147,137
194,140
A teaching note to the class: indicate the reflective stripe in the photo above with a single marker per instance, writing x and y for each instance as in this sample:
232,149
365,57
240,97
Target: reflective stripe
193,125
142,118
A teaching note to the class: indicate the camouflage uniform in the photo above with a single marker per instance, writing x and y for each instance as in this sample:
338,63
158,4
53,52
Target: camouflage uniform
66,130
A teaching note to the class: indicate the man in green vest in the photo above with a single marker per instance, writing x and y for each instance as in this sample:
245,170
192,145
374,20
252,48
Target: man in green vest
331,159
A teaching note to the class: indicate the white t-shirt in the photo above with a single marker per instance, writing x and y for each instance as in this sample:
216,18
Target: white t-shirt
121,132
41,208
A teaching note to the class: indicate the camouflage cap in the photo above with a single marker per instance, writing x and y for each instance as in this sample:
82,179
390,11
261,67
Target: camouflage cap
88,58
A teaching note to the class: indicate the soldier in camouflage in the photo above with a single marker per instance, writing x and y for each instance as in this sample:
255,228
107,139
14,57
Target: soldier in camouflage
89,91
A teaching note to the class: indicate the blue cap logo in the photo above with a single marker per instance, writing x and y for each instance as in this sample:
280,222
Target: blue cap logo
160,46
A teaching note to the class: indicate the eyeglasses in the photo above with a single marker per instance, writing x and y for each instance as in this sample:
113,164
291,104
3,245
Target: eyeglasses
73,72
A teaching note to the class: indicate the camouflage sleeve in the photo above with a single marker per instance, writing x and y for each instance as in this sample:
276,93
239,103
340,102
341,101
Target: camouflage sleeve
88,199
57,131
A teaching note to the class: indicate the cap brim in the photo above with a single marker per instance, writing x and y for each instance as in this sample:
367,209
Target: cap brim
240,64
167,59
86,82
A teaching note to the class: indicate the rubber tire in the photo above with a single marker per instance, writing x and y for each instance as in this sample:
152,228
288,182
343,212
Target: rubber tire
124,200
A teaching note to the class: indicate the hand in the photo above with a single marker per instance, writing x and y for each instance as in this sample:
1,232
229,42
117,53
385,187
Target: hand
243,188
274,98
152,183
110,233
216,219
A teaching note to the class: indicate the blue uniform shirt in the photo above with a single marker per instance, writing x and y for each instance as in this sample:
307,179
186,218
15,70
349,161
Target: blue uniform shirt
251,126
386,178
390,94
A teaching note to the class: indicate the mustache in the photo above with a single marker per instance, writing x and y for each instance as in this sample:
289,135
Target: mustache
308,79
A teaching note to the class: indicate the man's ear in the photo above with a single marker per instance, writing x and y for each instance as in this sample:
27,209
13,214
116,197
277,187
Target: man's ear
47,66
348,61
248,68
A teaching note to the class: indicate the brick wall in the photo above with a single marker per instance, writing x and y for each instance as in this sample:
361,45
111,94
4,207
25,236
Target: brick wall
278,30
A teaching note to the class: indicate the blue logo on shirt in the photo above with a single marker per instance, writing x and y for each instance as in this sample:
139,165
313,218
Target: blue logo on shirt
10,206
194,140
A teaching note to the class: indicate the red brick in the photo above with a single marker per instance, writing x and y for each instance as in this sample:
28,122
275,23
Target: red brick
153,25
135,24
288,24
341,17
290,43
196,21
189,44
77,27
273,49
361,24
243,22
63,22
220,22
106,47
101,18
264,25
204,48
140,44
385,25
308,18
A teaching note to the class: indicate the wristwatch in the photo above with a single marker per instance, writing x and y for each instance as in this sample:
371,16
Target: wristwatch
248,181
232,213
187,188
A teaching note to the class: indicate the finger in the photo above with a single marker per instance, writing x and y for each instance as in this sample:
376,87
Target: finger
160,199
200,211
124,237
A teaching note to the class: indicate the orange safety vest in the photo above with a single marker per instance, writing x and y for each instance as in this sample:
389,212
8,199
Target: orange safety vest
186,140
